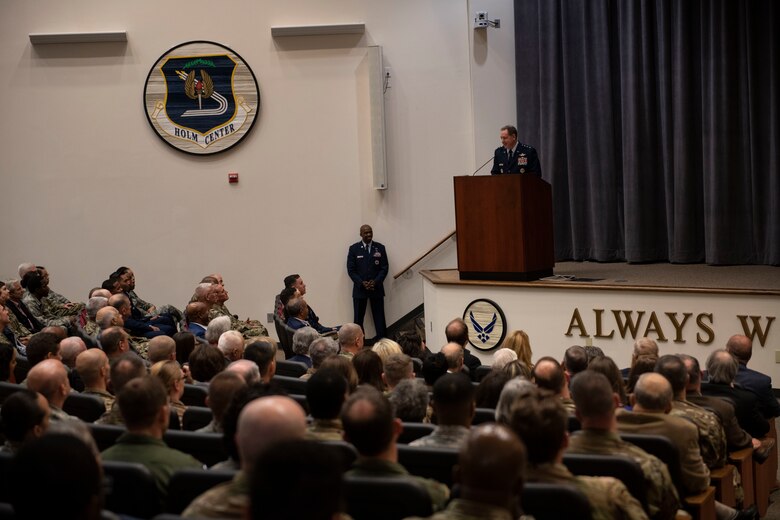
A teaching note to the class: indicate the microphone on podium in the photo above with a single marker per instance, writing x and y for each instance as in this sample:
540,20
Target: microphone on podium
483,165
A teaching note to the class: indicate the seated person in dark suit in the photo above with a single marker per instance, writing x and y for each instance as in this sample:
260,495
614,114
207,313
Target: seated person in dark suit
458,332
370,426
297,312
741,347
197,318
513,156
722,369
295,281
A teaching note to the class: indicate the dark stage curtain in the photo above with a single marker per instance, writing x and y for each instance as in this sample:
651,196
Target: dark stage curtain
657,124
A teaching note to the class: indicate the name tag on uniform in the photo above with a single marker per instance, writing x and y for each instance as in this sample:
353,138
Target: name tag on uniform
359,256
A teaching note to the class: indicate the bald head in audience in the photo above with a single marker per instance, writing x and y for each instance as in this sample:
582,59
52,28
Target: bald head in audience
652,394
453,352
265,421
114,341
548,374
351,338
109,317
741,347
93,367
197,312
50,379
121,303
25,268
231,344
161,348
101,293
70,348
248,370
60,332
128,366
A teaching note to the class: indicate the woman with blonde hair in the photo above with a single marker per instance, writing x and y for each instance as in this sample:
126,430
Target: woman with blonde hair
518,341
172,377
386,348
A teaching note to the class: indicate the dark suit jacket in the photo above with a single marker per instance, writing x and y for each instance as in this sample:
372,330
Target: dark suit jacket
761,385
363,266
745,406
736,437
197,329
523,160
24,316
296,323
472,362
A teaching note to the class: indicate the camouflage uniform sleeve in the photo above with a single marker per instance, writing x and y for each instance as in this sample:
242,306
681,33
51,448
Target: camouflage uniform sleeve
19,330
628,506
439,492
662,499
38,311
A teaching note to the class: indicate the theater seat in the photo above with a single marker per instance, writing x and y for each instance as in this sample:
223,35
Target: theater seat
435,463
194,395
105,435
345,450
88,408
290,368
131,490
624,469
7,389
413,431
196,417
554,502
482,371
483,415
293,385
187,484
385,498
206,447
301,400
285,335
5,476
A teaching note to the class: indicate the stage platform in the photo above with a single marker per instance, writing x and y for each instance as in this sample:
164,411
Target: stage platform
690,309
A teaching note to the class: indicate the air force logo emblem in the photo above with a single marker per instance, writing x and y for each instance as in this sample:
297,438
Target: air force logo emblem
486,324
201,97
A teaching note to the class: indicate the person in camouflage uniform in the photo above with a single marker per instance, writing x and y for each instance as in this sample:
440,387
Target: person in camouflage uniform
368,411
47,312
93,367
453,405
712,438
325,392
596,404
262,423
218,297
126,367
540,420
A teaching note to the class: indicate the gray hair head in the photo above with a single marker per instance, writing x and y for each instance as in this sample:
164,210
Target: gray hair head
410,400
94,305
502,357
722,367
216,328
514,390
321,349
302,339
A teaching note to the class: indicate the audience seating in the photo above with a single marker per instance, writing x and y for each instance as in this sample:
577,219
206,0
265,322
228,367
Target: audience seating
7,512
7,389
345,450
290,368
700,506
413,431
385,498
574,424
196,417
624,469
105,435
723,480
481,372
206,447
88,408
132,490
483,415
285,335
428,462
301,400
187,484
554,501
22,367
173,420
417,366
743,460
293,385
194,395
5,477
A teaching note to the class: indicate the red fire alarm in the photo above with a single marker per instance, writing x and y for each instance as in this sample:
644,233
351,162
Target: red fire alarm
232,177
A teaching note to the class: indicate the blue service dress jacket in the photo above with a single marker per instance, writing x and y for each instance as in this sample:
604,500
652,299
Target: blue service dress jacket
523,159
364,265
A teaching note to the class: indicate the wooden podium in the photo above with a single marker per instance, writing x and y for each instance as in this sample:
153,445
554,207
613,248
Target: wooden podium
504,225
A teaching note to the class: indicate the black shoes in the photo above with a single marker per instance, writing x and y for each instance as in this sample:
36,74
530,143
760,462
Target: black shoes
761,454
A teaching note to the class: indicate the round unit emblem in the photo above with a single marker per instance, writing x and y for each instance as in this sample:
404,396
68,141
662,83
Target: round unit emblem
201,98
486,323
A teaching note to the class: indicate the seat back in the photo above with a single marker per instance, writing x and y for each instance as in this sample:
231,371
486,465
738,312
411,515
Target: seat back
385,498
301,400
554,501
413,431
194,395
428,462
22,367
285,335
481,371
417,366
290,368
7,389
574,424
345,450
662,448
88,408
5,476
131,490
484,415
105,435
293,385
187,484
624,469
196,417
206,447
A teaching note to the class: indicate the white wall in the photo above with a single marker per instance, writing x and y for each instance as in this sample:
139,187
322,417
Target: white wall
88,186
